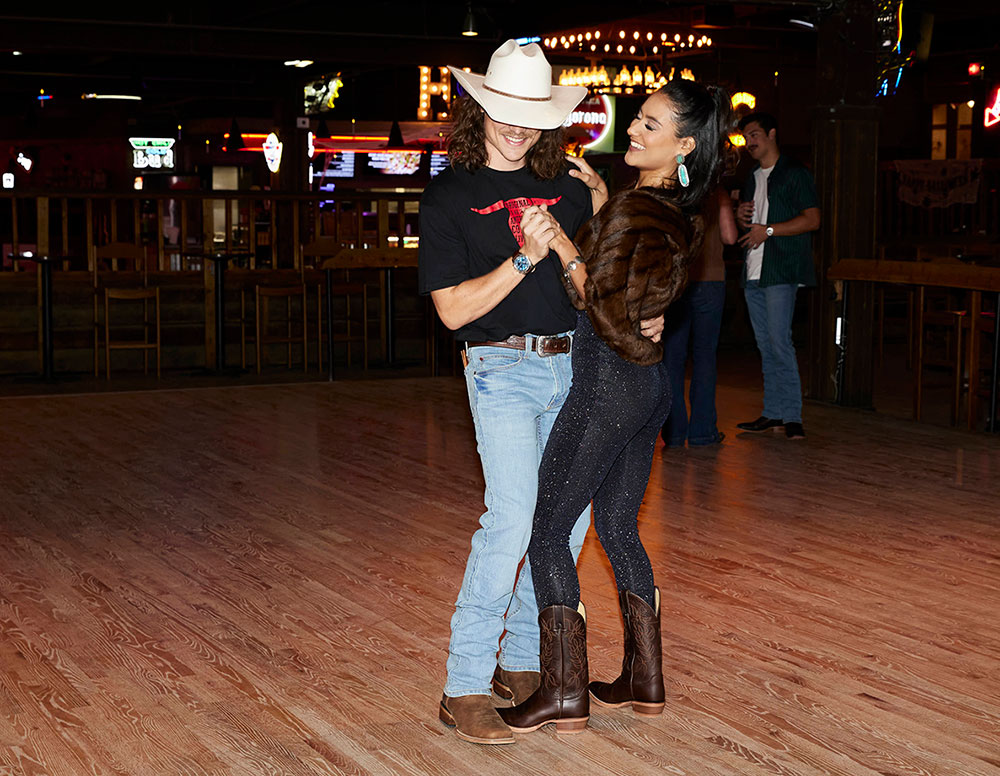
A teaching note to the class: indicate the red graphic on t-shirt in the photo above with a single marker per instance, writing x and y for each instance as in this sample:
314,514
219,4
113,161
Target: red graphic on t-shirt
515,207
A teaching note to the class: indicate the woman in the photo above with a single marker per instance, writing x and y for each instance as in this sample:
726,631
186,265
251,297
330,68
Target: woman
697,318
637,250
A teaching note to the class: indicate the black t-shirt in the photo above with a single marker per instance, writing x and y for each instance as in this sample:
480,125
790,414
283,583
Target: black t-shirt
471,222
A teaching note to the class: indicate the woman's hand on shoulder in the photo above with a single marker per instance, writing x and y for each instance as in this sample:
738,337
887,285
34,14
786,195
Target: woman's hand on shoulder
584,172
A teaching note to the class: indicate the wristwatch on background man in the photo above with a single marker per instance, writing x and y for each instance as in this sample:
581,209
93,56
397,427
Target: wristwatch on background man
522,263
769,231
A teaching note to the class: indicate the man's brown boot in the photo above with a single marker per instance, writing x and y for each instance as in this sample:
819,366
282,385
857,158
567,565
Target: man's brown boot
515,686
561,698
474,719
640,684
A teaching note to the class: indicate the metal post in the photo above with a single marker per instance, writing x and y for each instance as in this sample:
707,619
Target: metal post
992,427
329,324
390,341
45,267
220,311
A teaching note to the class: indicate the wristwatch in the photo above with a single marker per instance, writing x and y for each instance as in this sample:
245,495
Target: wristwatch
769,231
571,265
522,263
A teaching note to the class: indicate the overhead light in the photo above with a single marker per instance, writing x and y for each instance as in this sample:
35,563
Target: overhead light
803,23
469,27
298,62
15,53
93,96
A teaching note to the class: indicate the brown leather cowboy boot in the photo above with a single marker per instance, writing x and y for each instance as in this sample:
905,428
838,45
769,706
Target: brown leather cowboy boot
641,680
562,695
474,719
515,686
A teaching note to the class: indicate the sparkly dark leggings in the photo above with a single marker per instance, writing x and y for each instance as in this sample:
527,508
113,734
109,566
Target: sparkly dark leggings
601,449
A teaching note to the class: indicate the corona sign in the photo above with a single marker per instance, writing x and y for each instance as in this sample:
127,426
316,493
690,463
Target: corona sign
592,120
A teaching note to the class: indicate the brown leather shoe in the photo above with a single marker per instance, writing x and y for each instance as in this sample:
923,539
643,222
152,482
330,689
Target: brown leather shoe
561,698
641,681
474,719
515,686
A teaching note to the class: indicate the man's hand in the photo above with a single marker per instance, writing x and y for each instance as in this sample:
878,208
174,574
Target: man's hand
593,181
744,214
653,328
539,229
753,238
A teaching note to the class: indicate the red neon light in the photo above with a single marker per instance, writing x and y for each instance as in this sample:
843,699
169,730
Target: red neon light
992,115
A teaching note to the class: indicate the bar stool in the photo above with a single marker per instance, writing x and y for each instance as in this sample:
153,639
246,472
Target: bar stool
120,267
263,335
346,335
145,295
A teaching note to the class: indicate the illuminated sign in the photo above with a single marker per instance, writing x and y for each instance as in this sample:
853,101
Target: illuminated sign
153,153
593,117
25,162
272,152
992,115
394,162
321,95
744,98
428,87
8,180
310,145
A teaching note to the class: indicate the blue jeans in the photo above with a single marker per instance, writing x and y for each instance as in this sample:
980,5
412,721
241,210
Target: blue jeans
695,318
515,397
771,310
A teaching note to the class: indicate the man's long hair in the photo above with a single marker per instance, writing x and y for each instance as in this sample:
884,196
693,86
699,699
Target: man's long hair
467,144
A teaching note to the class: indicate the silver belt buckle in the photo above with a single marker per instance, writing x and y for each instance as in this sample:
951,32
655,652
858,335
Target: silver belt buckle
541,340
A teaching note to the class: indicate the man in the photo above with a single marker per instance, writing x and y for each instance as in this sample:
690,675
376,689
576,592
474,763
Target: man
778,209
484,238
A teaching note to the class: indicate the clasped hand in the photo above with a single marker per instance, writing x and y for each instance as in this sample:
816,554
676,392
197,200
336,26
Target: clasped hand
542,232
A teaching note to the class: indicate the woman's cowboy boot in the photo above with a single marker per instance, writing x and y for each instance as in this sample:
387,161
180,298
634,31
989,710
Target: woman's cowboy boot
641,680
562,695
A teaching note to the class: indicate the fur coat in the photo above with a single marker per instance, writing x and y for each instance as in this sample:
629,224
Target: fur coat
637,249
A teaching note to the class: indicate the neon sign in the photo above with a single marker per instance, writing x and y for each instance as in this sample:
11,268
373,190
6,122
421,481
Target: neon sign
992,115
272,152
593,116
152,152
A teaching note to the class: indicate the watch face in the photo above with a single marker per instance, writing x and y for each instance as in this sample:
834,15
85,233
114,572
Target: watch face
522,264
769,231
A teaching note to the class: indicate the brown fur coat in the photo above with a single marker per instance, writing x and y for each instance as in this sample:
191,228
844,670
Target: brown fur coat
637,248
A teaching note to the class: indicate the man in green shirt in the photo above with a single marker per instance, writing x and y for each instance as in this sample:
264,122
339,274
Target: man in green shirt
779,210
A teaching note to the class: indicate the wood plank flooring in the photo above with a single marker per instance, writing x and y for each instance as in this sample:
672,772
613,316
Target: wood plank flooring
259,581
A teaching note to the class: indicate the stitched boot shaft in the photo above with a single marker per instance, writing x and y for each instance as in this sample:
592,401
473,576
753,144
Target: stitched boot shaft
561,697
641,681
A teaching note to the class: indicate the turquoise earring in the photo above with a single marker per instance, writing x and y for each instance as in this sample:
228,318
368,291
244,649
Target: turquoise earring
682,172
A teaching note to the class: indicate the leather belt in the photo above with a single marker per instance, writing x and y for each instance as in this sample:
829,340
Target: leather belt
545,345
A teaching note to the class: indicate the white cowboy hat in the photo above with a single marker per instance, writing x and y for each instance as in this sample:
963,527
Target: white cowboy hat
517,88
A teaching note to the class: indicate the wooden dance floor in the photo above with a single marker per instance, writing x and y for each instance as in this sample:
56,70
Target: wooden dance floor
259,581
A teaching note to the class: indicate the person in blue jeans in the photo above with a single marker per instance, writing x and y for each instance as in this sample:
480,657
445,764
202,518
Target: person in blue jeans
779,211
485,262
696,320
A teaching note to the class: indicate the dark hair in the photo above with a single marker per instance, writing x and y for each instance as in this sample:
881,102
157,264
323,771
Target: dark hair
467,143
706,114
766,120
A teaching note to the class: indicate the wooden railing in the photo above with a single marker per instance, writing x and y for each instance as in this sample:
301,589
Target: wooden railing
279,234
175,227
